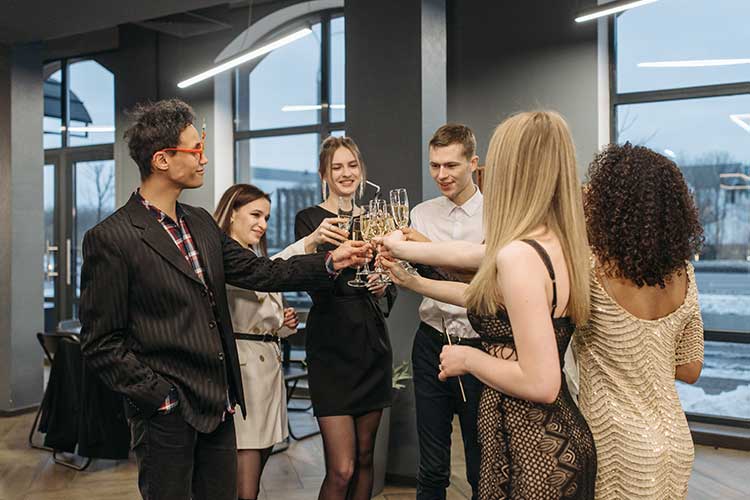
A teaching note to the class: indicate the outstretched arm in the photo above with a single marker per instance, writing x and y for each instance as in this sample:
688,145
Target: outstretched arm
451,292
535,375
460,254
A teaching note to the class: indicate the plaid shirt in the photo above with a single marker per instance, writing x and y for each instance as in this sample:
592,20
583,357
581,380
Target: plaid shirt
181,236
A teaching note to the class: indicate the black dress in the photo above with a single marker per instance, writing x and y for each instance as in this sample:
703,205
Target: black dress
532,451
348,350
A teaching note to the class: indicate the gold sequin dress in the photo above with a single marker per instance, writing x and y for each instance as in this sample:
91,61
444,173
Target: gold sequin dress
628,395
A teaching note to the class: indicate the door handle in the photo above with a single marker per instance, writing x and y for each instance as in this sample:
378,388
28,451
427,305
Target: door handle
68,248
50,271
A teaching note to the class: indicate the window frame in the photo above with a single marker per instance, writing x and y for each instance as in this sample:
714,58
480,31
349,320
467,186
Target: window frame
64,159
675,94
325,127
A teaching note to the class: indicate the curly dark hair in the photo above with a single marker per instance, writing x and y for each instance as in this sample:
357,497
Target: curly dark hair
156,125
642,221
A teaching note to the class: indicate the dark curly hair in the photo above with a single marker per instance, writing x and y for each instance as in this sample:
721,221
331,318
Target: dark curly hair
156,126
642,221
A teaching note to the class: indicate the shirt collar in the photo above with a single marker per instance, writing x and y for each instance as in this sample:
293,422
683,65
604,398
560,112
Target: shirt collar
470,206
160,215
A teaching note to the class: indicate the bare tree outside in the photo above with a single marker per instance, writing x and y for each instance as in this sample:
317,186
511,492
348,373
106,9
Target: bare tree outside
103,176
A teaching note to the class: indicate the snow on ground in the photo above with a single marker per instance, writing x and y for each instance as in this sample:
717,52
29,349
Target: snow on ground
735,403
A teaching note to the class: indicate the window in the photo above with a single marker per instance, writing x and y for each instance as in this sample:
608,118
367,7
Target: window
688,97
285,106
79,173
87,116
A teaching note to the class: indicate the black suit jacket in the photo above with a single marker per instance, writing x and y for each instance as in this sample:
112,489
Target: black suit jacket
148,323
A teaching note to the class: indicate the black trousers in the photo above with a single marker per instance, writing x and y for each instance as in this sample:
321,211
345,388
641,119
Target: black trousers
436,403
176,462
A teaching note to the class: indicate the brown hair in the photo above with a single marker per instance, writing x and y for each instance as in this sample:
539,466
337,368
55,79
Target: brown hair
156,125
329,147
455,133
235,198
642,221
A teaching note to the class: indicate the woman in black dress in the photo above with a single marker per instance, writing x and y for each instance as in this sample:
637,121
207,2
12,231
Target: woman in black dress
530,291
348,351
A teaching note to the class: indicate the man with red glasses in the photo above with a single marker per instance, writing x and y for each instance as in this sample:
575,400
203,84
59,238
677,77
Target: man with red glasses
156,325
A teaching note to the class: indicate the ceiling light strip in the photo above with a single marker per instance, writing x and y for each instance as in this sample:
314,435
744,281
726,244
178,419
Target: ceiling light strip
253,54
611,8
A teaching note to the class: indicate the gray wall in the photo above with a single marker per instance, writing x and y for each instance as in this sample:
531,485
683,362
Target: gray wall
21,226
396,97
505,57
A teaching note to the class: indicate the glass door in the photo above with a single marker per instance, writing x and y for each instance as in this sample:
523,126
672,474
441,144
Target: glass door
51,248
79,192
93,201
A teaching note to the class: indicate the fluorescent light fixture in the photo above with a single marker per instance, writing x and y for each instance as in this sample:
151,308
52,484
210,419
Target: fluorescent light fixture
699,63
309,107
739,120
670,153
105,128
611,8
245,57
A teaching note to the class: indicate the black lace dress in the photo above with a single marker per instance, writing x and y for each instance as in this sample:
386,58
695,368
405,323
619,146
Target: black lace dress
532,451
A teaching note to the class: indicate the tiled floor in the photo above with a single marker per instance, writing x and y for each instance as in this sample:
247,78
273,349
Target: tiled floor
296,474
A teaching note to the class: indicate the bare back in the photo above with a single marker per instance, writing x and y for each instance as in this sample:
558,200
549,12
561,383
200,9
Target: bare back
647,302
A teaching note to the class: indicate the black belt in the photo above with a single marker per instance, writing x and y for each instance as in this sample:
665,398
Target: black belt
471,342
266,337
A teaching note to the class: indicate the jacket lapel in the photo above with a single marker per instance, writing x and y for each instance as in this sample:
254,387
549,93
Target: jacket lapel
157,238
200,233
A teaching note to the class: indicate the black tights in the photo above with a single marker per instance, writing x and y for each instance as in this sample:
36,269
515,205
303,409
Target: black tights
250,465
348,442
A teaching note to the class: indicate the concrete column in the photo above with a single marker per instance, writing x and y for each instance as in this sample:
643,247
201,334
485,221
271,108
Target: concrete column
396,98
21,226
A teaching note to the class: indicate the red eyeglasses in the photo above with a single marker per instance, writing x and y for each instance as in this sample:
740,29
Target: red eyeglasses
197,151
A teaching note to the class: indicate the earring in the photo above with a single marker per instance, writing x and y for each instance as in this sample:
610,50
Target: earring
324,188
362,189
231,220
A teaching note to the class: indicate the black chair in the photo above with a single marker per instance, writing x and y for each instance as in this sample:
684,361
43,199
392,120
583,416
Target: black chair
295,371
50,341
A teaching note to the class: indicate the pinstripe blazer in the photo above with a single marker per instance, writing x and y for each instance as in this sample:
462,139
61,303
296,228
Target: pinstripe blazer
149,324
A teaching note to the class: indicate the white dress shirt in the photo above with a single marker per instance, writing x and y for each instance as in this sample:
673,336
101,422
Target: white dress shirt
440,220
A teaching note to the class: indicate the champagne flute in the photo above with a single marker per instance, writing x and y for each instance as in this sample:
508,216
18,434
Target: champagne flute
345,211
356,235
365,226
400,207
380,227
400,210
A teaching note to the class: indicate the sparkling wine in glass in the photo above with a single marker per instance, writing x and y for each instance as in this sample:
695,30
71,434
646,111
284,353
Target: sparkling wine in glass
381,224
400,211
357,235
400,207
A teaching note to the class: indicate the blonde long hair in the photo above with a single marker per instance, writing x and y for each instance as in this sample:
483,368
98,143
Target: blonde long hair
530,180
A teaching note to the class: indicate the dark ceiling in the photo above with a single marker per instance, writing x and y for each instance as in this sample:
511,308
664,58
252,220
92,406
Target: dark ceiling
23,21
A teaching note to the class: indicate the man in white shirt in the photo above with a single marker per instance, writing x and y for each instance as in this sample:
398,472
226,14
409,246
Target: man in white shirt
456,215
